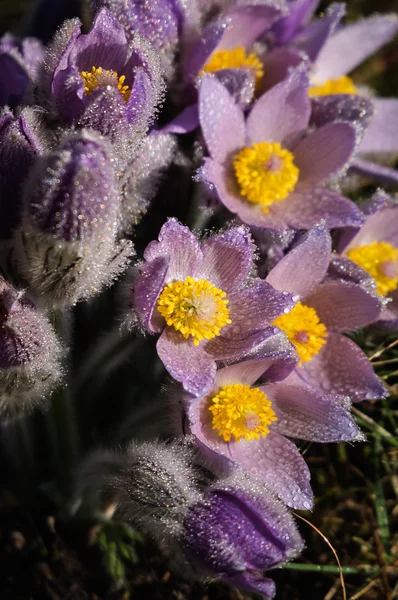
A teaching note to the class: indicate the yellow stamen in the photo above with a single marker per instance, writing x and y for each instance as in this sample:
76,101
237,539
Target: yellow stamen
341,85
265,173
241,411
235,59
380,260
194,307
100,78
304,329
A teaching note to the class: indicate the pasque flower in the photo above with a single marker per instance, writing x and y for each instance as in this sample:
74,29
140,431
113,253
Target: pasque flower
374,251
330,361
204,301
19,63
29,353
101,80
231,529
67,247
247,423
264,169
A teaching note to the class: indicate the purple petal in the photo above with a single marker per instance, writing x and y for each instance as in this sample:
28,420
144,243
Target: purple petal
379,227
325,152
312,38
181,246
277,64
228,258
248,372
305,265
252,582
225,185
247,23
308,414
305,207
344,306
344,107
239,83
222,120
260,343
185,122
300,12
274,460
255,307
342,368
186,363
347,48
200,50
282,112
104,46
147,288
375,171
382,133
344,269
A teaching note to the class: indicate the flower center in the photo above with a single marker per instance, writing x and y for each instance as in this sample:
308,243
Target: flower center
265,173
304,329
380,260
98,78
194,307
341,85
235,59
241,411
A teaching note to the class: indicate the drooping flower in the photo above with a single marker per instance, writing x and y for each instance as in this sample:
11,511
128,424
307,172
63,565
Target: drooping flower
66,245
29,353
231,529
100,80
374,251
263,169
330,361
204,301
247,423
19,63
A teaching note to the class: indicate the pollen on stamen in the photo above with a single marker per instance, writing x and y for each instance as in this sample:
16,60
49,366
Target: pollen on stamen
237,58
304,330
380,260
240,411
98,77
341,85
265,173
195,308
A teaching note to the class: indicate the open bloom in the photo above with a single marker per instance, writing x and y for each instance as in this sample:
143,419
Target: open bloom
374,251
330,361
203,300
263,169
249,423
100,80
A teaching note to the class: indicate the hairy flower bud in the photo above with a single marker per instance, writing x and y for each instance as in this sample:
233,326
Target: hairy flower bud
67,244
29,353
19,63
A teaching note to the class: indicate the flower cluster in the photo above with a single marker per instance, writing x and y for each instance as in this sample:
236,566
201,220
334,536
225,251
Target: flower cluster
254,304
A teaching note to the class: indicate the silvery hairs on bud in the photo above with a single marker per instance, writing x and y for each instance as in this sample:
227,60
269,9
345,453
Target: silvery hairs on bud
67,246
30,353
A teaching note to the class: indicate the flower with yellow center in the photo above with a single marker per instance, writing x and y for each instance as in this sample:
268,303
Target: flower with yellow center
341,85
304,330
265,173
242,412
97,78
380,260
235,59
195,308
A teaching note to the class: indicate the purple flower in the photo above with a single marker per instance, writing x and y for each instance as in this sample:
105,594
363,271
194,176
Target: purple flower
204,301
263,169
19,63
374,251
66,246
249,425
100,80
330,361
239,530
22,140
29,353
